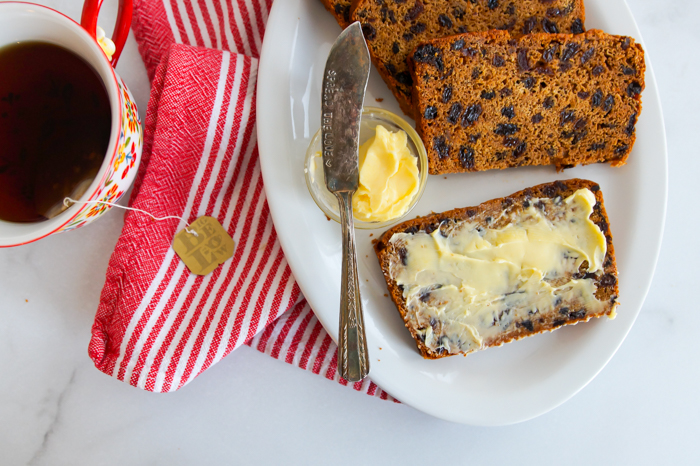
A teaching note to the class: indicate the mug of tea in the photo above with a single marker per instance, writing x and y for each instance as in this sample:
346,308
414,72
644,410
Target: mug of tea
69,127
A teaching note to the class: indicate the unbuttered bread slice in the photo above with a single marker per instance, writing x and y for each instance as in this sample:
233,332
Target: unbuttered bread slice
446,317
486,100
393,28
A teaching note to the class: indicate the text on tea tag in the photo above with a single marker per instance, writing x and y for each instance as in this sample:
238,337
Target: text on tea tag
205,251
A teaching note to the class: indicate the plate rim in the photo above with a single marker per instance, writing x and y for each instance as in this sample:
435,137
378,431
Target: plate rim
264,75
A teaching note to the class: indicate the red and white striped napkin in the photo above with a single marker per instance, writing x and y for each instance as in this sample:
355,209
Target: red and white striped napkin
158,326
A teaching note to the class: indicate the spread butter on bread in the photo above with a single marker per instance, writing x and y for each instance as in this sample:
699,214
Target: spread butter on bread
477,277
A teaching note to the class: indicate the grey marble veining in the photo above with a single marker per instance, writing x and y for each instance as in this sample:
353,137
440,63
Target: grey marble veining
52,407
57,409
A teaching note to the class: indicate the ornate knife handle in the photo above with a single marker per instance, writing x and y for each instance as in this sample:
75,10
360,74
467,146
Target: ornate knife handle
353,363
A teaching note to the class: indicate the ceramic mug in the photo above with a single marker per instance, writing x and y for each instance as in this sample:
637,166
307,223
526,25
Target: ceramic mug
30,22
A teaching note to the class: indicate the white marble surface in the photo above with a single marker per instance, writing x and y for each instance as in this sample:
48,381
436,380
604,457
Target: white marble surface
57,409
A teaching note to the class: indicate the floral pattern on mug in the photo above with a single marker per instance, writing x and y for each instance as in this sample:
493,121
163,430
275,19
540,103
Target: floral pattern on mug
123,164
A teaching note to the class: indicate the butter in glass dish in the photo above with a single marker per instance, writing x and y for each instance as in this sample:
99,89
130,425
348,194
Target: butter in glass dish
393,171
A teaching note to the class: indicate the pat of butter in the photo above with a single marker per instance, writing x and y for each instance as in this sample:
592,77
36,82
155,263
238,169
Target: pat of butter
388,177
476,281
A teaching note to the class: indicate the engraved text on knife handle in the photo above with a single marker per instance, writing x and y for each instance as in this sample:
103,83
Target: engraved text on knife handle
353,363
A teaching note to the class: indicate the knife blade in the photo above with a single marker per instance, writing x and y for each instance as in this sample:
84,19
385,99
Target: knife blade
344,85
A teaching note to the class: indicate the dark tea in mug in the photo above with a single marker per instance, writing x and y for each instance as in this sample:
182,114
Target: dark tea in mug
55,123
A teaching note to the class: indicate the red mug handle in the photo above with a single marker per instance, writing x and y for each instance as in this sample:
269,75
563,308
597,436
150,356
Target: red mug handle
88,20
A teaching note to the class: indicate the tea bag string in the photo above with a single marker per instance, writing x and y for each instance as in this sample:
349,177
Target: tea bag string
66,200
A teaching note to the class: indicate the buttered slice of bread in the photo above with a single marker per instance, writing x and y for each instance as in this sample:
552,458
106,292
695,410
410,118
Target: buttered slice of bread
472,278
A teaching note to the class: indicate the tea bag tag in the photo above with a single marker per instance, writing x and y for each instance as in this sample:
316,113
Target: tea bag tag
204,251
203,245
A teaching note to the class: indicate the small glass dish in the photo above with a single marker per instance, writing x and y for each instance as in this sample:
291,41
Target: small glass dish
371,117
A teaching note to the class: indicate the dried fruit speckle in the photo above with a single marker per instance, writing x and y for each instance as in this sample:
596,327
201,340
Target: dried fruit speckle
369,31
430,54
608,279
471,114
587,55
446,94
577,26
621,150
608,103
566,116
454,113
344,11
630,125
571,49
466,157
506,129
549,26
634,89
529,25
417,28
551,53
445,21
414,12
523,63
404,78
440,146
430,113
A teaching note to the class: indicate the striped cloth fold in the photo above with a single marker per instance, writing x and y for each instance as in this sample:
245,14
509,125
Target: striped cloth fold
158,326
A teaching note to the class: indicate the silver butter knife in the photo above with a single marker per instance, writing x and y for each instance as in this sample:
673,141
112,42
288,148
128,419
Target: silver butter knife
344,85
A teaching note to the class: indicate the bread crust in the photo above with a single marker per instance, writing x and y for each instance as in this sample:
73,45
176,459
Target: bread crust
542,99
606,281
341,10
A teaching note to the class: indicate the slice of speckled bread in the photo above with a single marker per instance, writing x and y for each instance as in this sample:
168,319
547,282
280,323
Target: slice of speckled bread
513,316
340,9
486,100
393,28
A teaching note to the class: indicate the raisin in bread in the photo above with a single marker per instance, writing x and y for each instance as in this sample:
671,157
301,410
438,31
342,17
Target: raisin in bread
393,28
457,294
485,100
340,9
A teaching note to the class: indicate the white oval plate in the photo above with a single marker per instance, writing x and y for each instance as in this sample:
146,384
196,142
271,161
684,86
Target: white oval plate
503,385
